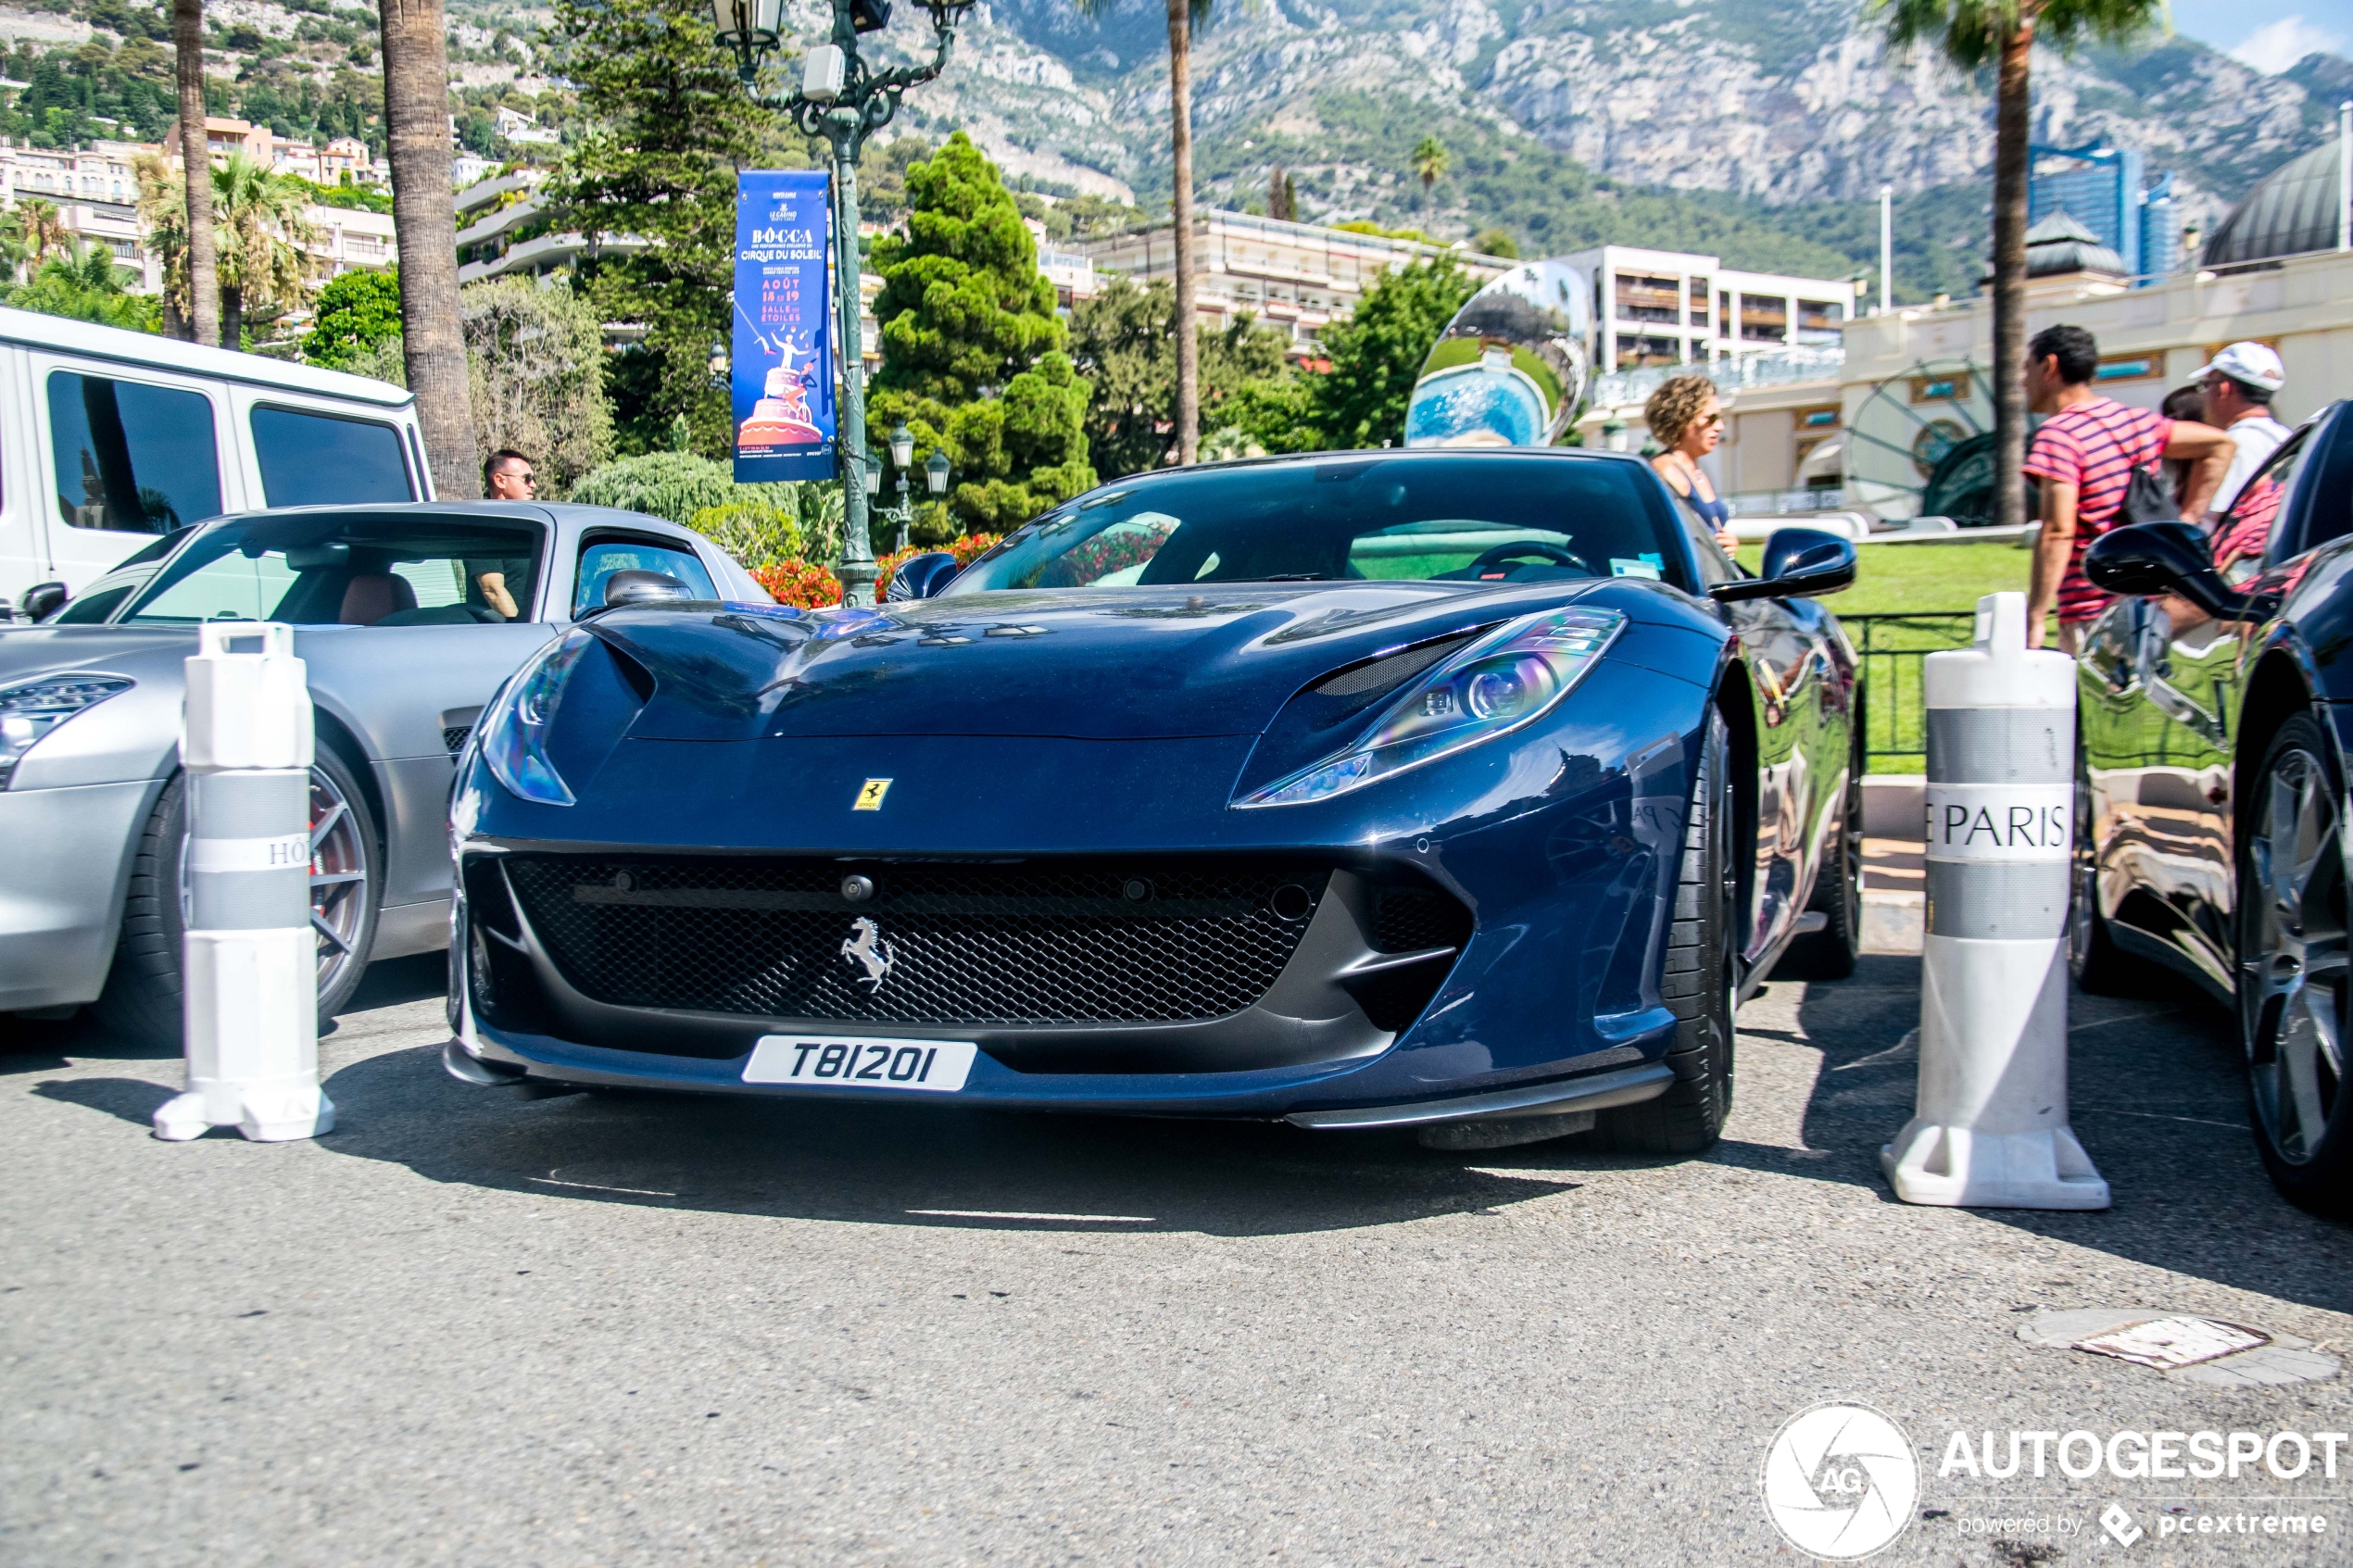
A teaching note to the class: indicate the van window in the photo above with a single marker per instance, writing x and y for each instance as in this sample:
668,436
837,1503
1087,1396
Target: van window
132,457
313,460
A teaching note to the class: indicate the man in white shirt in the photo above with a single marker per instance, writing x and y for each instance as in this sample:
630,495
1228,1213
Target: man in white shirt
2237,388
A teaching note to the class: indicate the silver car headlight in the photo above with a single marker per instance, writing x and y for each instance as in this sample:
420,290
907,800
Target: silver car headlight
31,709
1504,682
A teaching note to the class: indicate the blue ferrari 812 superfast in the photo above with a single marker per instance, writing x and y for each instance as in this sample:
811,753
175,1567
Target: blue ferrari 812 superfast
1466,789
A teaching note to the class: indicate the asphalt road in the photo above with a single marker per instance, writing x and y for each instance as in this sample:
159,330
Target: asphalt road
587,1330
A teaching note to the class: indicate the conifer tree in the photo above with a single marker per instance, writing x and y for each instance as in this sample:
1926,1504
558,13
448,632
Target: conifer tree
973,354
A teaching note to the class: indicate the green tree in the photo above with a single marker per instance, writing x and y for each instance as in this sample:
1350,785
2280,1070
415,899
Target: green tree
1185,18
259,229
973,353
2002,34
1496,242
357,313
670,125
535,363
1122,342
1429,162
82,281
1378,350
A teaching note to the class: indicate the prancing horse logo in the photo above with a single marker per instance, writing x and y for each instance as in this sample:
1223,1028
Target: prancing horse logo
865,947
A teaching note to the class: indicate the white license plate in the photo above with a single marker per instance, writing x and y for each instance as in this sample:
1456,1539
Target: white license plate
833,1060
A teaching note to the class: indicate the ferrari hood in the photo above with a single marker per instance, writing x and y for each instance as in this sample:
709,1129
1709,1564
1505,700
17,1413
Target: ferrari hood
1112,664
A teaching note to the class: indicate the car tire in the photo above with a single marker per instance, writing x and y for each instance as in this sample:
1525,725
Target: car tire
142,999
2292,929
1830,953
1699,981
2099,966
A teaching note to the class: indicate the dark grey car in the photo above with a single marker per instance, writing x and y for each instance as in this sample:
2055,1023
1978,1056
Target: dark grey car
408,618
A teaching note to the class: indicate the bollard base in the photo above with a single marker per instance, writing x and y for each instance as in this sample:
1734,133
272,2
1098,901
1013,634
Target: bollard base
1960,1167
265,1112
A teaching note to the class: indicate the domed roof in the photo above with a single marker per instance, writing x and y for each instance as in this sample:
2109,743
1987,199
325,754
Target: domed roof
2294,209
2060,244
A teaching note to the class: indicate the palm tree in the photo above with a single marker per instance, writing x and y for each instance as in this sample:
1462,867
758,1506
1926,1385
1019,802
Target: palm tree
196,157
263,228
1184,16
2002,34
44,229
163,219
425,220
1429,161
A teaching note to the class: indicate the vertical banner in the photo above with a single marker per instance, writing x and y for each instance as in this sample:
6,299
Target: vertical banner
782,378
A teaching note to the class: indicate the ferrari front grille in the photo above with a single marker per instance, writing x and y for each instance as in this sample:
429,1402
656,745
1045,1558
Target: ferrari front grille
1025,942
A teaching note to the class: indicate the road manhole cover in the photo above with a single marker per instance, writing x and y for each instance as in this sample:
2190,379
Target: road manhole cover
2186,1348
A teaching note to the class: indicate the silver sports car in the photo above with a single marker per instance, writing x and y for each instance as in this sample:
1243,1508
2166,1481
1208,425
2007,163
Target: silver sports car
410,618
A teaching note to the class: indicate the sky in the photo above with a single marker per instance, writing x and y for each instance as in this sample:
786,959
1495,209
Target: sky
2269,37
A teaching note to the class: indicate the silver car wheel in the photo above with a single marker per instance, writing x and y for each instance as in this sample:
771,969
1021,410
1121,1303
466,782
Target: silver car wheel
2294,973
338,880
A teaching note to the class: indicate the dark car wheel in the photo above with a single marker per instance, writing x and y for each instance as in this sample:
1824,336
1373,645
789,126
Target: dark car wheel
2292,970
142,998
1830,953
1698,984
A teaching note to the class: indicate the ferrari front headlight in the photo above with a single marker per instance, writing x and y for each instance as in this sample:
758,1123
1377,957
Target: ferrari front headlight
514,729
30,709
1500,683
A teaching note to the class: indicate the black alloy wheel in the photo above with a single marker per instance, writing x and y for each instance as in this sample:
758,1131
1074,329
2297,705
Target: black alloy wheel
2292,973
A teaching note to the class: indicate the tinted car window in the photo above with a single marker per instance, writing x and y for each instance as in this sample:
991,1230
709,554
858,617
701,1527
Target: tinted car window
93,607
132,457
601,557
1451,517
2323,487
325,571
313,460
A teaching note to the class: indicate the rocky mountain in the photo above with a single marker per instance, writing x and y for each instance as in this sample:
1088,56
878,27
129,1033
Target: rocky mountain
1775,110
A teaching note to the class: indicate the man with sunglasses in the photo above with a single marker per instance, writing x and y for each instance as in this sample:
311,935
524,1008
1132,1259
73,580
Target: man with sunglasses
499,584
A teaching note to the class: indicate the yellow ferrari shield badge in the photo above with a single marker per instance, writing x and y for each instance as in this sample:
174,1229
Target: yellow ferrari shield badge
870,795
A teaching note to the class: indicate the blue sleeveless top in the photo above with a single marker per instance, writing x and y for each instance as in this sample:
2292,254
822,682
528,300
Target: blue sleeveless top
1714,510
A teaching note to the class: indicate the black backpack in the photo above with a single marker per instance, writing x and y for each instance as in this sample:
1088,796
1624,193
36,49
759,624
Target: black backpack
2148,499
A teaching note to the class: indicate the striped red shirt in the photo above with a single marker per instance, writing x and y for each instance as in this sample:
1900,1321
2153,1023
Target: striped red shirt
2095,446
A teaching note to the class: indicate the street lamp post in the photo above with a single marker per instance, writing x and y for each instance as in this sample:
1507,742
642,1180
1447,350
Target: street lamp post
843,101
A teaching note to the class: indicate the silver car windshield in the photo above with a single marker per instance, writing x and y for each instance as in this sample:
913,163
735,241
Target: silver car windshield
344,572
1444,517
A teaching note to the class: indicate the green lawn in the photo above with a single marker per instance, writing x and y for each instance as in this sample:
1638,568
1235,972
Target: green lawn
1911,579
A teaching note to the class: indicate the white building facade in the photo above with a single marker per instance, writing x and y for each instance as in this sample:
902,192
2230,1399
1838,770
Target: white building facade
1673,308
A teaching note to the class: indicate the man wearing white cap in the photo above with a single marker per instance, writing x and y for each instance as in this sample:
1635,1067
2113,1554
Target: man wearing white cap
2237,387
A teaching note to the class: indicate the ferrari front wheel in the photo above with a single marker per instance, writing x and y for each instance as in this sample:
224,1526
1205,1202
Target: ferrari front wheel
1701,980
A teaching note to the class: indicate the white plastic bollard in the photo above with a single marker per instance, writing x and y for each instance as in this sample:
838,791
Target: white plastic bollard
249,963
1991,1127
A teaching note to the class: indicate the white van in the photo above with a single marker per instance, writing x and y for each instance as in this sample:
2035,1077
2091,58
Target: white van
110,439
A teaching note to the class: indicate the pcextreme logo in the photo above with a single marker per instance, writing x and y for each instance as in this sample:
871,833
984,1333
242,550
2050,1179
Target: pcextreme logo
1840,1481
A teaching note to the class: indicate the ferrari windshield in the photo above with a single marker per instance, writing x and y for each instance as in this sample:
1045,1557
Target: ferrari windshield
1486,517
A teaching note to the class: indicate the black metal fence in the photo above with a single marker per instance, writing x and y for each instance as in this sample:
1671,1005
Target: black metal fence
1896,710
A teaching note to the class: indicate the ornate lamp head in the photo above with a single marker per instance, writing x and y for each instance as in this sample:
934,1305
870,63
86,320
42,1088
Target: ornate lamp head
749,27
936,473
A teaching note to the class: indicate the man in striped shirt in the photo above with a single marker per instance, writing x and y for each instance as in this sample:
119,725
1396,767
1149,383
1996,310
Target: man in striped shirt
2084,454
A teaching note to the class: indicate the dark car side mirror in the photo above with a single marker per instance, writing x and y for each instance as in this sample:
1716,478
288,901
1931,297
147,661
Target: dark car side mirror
638,587
1799,563
2166,558
921,577
42,601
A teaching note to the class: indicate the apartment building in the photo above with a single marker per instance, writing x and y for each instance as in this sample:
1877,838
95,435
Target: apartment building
92,188
1674,308
324,164
505,229
1298,278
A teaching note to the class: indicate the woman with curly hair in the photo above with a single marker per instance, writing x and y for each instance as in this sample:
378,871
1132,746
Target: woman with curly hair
1686,417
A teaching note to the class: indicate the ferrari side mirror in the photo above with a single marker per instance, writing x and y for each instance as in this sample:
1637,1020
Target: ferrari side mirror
42,601
1799,563
637,587
2166,558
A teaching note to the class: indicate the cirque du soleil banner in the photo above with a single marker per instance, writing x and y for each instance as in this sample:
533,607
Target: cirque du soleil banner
783,378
